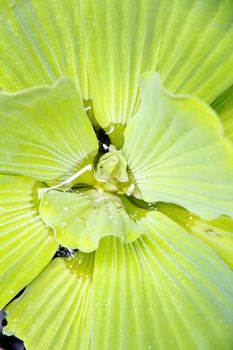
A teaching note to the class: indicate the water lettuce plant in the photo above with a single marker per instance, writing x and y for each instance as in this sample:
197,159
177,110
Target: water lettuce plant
116,130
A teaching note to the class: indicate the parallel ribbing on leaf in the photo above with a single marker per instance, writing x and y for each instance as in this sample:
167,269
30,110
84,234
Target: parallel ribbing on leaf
151,293
45,133
184,158
147,294
41,42
190,43
26,246
58,306
108,44
218,233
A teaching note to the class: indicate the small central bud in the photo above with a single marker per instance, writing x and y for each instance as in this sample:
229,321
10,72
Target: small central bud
111,173
112,166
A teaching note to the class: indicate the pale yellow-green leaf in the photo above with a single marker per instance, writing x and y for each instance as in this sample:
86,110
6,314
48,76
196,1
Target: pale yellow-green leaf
80,220
45,133
41,41
184,157
166,290
57,307
189,42
224,107
218,233
26,245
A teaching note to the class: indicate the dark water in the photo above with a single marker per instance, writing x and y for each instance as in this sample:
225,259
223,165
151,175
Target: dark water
8,343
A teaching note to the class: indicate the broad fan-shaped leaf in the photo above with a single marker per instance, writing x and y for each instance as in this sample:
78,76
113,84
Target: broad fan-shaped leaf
26,245
164,291
224,107
218,233
45,133
184,158
80,220
189,42
57,304
41,42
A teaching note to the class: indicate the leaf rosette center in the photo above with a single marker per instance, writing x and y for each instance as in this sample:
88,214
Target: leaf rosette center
112,173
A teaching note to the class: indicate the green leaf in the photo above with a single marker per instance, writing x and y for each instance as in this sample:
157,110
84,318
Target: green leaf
40,44
224,107
80,220
218,233
45,133
184,158
164,291
57,305
26,245
190,43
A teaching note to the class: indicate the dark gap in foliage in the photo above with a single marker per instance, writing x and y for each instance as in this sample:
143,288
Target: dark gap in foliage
4,322
63,252
8,343
103,139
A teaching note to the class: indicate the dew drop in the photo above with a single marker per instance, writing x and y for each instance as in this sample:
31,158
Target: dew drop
110,131
130,189
63,224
